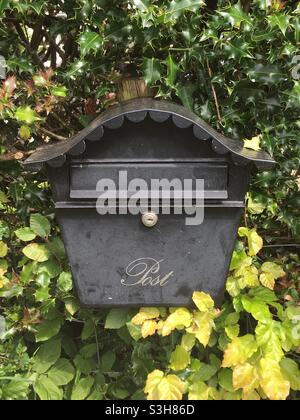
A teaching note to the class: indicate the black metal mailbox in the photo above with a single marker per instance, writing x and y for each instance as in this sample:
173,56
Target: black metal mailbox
153,258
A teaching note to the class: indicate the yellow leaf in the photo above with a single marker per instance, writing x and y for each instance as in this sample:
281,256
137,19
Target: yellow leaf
248,276
203,301
180,358
232,286
239,350
3,281
148,328
170,388
153,380
199,391
253,143
188,341
255,242
202,326
180,318
160,387
267,280
3,249
246,377
144,314
272,381
275,269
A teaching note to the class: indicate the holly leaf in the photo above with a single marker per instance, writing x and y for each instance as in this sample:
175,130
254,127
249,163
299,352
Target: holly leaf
26,114
279,20
64,282
172,70
177,7
152,70
89,42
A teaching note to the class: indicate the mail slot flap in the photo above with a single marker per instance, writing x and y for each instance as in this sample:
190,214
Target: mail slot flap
85,176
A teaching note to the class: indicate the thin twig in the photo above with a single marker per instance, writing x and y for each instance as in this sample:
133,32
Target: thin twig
214,93
53,135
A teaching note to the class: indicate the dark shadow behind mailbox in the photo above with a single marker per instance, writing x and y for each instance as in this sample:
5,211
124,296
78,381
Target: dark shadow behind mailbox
117,260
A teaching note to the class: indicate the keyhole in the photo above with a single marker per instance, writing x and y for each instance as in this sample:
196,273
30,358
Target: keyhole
149,219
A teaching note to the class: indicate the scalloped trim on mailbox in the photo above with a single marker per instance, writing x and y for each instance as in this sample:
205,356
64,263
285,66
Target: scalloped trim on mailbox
136,110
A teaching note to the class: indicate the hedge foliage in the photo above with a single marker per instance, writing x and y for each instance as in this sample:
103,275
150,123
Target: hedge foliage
234,64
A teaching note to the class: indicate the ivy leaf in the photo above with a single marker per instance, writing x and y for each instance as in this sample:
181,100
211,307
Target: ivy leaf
255,242
82,389
26,114
202,326
272,381
188,341
246,377
144,314
258,309
25,234
46,356
151,70
291,372
199,391
89,41
253,144
62,372
160,387
64,282
36,252
239,350
116,319
47,390
279,20
268,337
203,301
180,358
180,318
40,225
3,249
148,328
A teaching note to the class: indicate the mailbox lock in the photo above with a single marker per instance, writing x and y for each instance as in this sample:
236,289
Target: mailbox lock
149,219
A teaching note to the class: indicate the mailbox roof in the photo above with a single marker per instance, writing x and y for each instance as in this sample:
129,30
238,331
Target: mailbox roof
136,110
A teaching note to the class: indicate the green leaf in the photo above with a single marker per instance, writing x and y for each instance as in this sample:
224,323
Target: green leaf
40,225
172,70
46,356
268,337
64,282
26,114
25,234
239,350
268,75
180,358
186,95
107,361
116,319
142,5
82,389
198,391
177,7
89,42
48,329
60,91
279,20
256,308
62,372
47,390
235,15
36,252
225,379
291,372
134,331
152,70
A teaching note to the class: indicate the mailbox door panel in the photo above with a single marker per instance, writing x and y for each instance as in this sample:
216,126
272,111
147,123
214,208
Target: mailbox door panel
117,261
